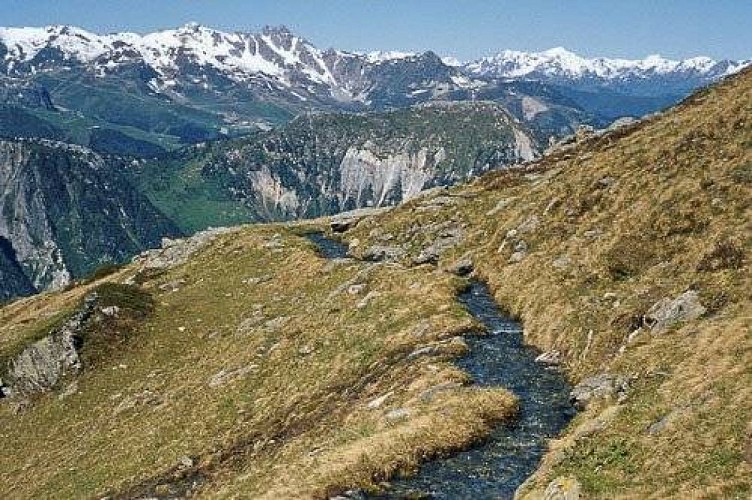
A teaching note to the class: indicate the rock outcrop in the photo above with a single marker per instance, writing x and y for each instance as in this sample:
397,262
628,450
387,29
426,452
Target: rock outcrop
40,366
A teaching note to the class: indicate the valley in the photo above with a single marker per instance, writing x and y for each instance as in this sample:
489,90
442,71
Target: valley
249,365
234,264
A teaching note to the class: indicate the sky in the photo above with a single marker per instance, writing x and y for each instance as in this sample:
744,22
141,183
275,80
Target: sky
466,29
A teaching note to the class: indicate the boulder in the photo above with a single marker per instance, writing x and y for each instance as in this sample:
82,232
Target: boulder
667,312
380,253
40,366
604,385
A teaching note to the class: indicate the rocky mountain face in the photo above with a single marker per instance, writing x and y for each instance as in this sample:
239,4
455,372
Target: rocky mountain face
144,94
66,211
321,164
14,282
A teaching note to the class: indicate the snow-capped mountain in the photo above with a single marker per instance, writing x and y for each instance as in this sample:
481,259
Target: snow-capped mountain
559,65
195,83
196,55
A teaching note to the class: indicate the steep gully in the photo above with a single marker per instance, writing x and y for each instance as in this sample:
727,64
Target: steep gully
499,465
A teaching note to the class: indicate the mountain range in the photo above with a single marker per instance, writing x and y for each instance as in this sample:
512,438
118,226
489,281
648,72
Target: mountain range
158,91
133,137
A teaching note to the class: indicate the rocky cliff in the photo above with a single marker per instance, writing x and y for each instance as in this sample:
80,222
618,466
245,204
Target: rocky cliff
325,163
66,211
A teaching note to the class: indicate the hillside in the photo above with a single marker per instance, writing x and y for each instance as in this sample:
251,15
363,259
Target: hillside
320,164
240,363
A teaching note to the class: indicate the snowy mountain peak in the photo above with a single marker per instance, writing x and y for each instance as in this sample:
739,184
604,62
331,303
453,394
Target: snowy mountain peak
559,62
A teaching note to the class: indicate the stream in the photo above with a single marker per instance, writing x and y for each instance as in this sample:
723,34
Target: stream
498,466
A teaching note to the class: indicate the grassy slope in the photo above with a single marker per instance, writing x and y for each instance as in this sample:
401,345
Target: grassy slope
643,216
293,423
636,216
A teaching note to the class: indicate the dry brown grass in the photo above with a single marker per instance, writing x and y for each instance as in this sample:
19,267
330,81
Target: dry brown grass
660,209
642,214
290,415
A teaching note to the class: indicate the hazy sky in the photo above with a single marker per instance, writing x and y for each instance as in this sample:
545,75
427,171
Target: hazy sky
463,28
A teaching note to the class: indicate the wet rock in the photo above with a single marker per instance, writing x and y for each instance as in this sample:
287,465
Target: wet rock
549,358
667,312
604,385
380,253
563,488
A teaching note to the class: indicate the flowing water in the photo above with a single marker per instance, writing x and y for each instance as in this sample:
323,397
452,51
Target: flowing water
499,465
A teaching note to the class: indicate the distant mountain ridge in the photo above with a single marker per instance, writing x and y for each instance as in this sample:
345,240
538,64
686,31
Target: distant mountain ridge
277,52
652,75
194,83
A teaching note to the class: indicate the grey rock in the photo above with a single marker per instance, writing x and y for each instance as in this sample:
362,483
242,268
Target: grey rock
462,267
40,366
379,253
500,205
530,224
667,312
345,221
376,403
448,237
227,376
176,252
398,414
549,358
562,262
356,289
658,426
431,392
365,301
604,385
